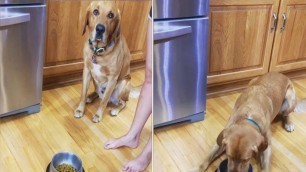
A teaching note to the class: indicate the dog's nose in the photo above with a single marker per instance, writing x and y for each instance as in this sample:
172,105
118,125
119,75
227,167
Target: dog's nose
100,28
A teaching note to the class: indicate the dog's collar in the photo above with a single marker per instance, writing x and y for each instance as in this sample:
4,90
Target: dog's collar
251,120
97,49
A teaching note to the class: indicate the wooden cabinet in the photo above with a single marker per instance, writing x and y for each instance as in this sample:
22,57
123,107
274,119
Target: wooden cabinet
289,49
246,39
64,42
240,38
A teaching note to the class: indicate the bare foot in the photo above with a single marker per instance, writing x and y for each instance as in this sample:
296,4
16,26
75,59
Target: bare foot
142,161
126,140
138,164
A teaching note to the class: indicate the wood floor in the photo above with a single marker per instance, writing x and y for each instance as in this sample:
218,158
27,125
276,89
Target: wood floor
182,147
28,142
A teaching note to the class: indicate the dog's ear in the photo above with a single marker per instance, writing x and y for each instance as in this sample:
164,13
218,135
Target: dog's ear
263,145
221,141
116,32
260,146
86,22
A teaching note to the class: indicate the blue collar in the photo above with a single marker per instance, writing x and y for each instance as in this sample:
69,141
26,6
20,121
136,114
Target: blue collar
253,122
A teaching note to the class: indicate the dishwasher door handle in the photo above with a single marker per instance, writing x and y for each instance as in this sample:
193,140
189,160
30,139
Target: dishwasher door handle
168,32
8,19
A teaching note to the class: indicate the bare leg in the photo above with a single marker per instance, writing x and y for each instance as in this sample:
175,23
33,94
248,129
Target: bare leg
142,161
144,106
143,111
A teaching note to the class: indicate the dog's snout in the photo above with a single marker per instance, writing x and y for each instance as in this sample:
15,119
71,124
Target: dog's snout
100,28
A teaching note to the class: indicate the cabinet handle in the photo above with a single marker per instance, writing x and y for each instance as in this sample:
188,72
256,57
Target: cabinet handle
284,23
274,22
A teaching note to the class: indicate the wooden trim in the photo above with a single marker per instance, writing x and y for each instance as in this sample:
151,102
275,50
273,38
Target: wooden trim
228,87
296,74
241,2
295,2
72,74
62,80
288,67
221,78
65,68
217,90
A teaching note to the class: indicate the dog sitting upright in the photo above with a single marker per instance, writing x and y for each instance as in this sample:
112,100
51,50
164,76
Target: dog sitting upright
247,133
106,60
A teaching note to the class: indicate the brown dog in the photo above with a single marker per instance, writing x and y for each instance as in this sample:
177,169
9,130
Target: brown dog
247,133
106,60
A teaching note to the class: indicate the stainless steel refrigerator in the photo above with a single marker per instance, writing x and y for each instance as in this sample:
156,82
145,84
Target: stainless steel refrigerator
180,60
22,42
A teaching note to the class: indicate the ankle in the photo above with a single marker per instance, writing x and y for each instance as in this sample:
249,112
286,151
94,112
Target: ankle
146,155
133,135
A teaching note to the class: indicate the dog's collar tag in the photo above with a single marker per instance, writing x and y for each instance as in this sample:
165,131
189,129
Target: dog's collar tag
93,59
100,50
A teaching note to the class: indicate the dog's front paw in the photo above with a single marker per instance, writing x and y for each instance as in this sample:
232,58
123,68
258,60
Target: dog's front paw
114,112
289,127
78,113
96,118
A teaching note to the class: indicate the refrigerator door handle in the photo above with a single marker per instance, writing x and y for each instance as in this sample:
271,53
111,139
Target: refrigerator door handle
169,32
8,19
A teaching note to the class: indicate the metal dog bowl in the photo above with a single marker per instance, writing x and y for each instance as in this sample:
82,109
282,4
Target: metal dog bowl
223,167
65,158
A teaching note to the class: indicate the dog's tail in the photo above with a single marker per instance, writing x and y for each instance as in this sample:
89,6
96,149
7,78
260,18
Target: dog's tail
135,92
301,106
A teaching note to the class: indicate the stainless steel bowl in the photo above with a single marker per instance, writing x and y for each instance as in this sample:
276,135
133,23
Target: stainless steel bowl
67,158
223,167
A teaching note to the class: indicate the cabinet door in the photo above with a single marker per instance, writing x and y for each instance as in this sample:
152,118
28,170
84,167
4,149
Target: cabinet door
64,43
289,49
64,47
135,20
240,38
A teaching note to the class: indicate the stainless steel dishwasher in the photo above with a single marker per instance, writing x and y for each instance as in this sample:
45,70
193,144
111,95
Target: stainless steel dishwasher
22,42
180,60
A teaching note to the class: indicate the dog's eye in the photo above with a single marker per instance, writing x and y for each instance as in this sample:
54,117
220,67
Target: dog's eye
110,15
96,12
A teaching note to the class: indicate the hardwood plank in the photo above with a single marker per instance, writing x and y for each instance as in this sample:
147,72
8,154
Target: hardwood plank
183,146
8,162
28,142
